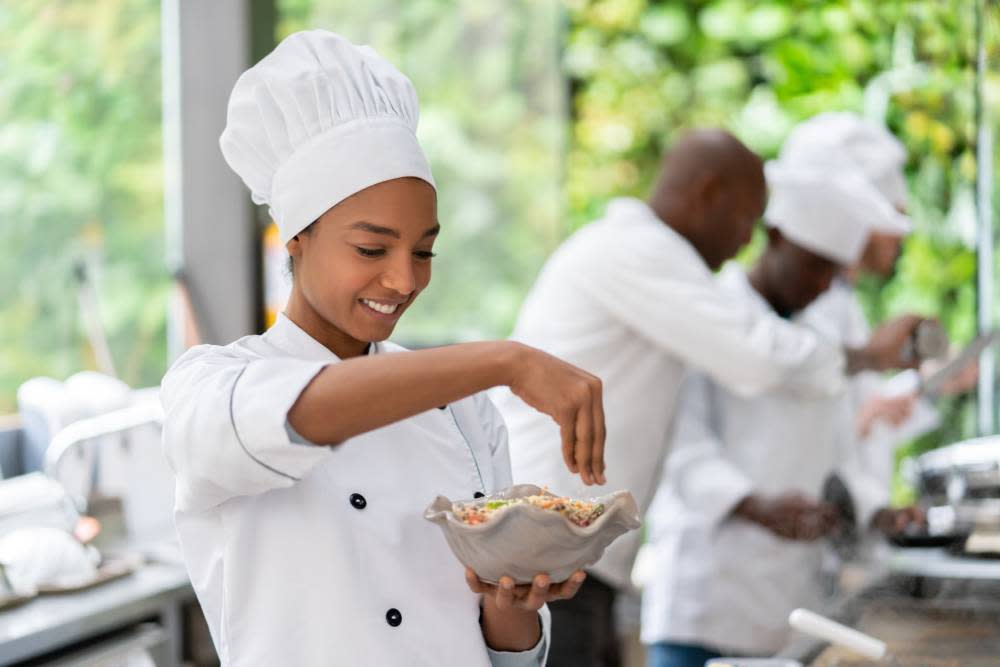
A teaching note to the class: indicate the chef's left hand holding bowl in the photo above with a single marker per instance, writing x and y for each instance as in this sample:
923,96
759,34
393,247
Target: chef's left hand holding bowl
510,611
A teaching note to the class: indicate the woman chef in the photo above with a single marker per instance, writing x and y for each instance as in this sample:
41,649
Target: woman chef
305,456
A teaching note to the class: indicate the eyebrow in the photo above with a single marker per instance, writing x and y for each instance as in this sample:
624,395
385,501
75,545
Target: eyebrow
388,231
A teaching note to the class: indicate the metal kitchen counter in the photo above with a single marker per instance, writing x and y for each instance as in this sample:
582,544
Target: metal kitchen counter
933,609
155,592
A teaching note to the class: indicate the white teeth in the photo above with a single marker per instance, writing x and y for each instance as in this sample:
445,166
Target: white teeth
384,308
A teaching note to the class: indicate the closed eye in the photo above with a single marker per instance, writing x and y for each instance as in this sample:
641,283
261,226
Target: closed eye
370,252
424,254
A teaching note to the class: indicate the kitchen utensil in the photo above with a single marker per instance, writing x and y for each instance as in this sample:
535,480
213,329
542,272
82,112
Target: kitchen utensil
927,341
845,539
523,540
933,386
823,628
924,540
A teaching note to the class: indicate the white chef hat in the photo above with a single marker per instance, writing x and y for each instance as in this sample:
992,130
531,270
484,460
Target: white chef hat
846,141
828,212
317,120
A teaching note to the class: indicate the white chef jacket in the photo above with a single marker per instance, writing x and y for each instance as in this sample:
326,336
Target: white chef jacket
720,581
304,555
631,301
838,315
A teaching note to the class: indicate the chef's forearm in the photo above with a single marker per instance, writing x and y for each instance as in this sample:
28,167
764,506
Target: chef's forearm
859,359
359,395
512,630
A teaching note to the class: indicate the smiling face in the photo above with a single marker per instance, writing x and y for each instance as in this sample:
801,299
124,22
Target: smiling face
361,265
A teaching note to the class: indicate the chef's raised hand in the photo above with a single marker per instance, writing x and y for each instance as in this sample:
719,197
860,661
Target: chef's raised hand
885,347
573,398
368,392
510,611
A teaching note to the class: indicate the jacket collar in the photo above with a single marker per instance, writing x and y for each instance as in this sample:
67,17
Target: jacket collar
290,338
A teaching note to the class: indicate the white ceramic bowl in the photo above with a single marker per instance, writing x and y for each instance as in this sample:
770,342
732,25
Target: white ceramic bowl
523,540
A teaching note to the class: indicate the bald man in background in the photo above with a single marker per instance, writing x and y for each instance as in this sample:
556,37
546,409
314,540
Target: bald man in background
631,298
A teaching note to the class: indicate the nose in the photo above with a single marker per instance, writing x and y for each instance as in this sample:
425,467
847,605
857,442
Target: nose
399,277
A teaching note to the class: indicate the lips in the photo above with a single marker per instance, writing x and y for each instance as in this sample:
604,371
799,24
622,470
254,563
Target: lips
380,306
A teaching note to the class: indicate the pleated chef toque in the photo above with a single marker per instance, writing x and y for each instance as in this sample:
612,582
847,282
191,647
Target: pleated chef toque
828,212
317,120
846,141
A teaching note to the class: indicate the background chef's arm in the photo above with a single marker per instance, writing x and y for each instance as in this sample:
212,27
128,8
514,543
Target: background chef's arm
923,416
698,470
683,310
224,428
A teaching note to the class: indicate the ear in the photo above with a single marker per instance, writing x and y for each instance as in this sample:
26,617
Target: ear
294,247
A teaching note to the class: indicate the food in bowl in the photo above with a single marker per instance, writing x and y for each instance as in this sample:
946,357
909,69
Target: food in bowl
580,512
524,530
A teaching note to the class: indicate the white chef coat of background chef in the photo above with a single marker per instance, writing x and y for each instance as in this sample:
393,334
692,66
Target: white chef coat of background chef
630,300
723,582
853,143
308,555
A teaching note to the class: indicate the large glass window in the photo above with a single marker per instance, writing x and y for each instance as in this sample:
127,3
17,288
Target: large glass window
83,282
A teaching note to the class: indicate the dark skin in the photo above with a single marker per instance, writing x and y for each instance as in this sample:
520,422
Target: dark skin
711,190
881,254
357,269
788,276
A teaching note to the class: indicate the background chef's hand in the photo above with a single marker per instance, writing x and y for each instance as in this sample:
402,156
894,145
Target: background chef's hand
886,344
510,612
962,383
892,522
573,398
790,515
895,410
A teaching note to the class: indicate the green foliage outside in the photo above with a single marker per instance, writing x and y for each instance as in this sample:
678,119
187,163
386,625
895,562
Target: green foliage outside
643,71
534,114
80,181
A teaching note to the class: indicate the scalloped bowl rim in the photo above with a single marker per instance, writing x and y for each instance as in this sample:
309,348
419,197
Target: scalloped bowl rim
615,503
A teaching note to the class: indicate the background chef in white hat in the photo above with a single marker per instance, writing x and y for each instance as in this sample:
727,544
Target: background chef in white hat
632,298
733,531
884,412
304,457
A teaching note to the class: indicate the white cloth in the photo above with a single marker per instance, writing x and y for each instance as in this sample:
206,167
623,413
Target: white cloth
300,554
38,556
830,212
317,120
720,581
846,141
631,301
838,315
